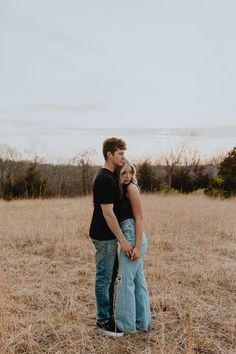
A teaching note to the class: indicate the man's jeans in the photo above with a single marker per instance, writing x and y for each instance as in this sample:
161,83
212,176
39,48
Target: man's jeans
132,308
106,272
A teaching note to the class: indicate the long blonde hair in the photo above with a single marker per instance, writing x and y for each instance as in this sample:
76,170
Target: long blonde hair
123,167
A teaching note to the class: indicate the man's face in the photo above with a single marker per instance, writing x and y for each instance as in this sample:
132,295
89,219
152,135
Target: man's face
118,157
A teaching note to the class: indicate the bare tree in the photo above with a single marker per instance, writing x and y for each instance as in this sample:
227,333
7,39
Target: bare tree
217,159
36,152
179,154
8,153
8,167
84,160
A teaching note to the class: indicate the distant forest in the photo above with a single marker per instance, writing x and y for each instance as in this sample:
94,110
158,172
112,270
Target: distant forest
178,171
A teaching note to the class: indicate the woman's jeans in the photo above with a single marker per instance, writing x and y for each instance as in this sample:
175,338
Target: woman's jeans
132,307
106,272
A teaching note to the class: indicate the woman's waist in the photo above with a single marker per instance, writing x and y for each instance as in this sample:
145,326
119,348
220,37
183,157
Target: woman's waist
127,221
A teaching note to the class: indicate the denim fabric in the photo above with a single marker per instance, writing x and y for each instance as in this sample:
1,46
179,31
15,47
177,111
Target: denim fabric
132,307
106,272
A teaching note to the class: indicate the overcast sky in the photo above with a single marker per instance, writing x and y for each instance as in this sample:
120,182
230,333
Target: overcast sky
127,63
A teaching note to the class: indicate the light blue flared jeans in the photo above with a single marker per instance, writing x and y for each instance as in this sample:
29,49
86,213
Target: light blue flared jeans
132,306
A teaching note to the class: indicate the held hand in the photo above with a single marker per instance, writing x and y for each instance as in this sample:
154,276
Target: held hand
135,253
126,247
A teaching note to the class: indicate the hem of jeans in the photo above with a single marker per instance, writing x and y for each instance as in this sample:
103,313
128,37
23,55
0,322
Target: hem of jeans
142,329
127,331
103,321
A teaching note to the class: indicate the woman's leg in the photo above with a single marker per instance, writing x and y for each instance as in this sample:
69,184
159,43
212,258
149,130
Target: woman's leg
141,293
141,300
125,305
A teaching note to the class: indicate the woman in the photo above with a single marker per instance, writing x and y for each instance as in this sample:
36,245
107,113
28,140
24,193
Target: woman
132,307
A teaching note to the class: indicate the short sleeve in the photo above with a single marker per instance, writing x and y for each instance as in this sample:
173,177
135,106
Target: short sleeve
105,191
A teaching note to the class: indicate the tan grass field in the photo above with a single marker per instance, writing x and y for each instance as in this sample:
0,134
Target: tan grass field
47,302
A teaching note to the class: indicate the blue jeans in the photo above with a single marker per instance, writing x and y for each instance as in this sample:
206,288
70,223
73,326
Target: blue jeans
106,272
132,307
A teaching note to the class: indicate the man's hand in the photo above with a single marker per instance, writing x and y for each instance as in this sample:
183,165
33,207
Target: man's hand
126,247
135,253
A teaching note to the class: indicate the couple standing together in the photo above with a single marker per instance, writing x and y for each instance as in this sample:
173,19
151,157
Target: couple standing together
117,217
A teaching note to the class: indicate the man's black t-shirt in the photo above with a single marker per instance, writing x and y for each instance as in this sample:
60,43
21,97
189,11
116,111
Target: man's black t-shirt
105,191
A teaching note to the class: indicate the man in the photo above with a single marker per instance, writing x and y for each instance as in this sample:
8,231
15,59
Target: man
105,232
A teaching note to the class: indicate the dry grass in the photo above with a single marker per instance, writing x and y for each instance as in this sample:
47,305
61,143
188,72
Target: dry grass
47,278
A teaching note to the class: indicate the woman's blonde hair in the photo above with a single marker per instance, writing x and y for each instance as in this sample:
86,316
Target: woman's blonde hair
123,167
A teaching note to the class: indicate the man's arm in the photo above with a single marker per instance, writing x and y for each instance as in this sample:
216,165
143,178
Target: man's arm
113,224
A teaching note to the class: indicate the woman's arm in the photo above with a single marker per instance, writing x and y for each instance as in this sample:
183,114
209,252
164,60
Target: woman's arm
134,198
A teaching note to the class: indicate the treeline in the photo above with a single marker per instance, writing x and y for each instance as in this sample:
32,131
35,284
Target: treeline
224,183
35,179
184,179
25,179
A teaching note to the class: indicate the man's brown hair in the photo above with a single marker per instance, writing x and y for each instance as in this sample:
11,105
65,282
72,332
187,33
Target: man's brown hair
112,145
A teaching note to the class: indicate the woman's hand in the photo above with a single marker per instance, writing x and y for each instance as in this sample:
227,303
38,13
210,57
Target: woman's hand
126,248
135,253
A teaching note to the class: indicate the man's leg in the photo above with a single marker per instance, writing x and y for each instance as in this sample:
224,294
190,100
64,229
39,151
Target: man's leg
106,264
112,286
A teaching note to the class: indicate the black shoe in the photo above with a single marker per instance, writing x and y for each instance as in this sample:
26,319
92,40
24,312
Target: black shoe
109,329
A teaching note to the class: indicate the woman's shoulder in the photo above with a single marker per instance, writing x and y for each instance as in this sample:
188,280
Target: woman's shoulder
132,188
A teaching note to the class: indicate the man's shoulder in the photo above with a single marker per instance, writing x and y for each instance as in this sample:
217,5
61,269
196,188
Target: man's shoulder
104,175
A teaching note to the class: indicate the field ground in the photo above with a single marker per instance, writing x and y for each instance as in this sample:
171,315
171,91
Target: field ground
47,270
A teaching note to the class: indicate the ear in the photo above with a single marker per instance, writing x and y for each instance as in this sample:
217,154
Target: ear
109,154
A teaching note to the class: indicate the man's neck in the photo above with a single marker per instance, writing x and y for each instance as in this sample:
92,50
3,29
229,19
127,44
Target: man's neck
109,166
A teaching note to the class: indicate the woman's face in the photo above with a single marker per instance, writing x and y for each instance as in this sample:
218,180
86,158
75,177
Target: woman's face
126,175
